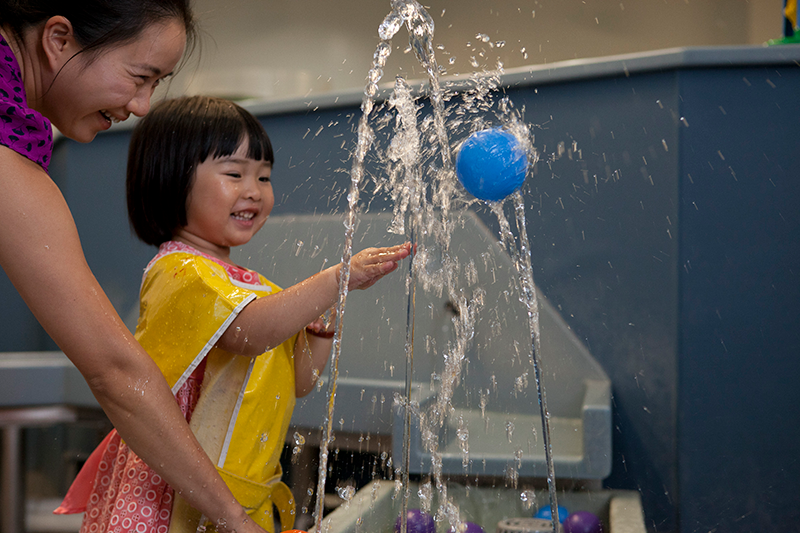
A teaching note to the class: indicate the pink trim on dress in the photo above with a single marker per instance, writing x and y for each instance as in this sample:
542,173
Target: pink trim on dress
126,495
235,272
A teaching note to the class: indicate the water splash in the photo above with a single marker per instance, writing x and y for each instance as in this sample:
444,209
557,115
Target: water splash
426,211
299,442
417,20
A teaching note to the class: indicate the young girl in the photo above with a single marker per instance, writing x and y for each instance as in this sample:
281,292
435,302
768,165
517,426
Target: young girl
234,347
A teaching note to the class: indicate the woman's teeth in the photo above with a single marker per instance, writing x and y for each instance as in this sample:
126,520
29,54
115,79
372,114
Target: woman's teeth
109,117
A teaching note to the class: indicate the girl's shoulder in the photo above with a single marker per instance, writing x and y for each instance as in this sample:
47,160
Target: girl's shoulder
173,251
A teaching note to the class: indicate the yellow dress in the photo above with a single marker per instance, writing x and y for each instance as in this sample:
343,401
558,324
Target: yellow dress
187,302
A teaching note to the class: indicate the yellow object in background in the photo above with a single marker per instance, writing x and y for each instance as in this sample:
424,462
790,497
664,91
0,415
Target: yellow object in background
790,14
791,33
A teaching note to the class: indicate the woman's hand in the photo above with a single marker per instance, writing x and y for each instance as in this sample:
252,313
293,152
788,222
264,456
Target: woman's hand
370,265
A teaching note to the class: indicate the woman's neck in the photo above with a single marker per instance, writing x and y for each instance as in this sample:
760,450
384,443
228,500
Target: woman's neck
25,51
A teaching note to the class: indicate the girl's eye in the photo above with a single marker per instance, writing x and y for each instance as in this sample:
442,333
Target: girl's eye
264,179
234,174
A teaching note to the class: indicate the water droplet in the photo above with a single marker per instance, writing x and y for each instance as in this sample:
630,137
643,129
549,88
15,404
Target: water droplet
390,25
346,493
528,498
509,430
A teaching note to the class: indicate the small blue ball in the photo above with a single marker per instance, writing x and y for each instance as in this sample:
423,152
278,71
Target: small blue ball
546,514
491,164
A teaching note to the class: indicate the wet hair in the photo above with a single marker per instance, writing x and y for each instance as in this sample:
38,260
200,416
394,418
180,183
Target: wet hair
166,147
98,24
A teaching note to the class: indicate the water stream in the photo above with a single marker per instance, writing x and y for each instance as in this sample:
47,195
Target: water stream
425,211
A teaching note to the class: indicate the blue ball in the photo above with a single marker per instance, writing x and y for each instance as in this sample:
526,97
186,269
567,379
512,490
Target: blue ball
417,521
546,514
491,164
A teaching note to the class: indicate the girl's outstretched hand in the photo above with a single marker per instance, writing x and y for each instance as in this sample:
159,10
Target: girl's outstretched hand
370,265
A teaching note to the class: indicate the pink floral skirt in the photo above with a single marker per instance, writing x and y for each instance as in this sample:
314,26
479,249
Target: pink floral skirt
117,491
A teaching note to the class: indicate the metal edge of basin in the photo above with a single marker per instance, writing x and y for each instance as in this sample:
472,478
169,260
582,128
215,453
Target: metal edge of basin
595,461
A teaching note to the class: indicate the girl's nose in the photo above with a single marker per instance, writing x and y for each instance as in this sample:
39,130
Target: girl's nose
252,190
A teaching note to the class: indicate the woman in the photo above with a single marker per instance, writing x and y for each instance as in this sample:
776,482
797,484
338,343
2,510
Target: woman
84,64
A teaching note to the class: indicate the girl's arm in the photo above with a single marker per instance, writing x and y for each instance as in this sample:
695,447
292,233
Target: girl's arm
266,322
311,354
41,253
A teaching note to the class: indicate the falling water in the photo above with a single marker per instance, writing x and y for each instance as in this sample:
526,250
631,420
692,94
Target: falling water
522,263
365,138
406,150
429,206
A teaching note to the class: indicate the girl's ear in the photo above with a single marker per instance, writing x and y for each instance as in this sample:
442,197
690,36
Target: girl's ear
58,42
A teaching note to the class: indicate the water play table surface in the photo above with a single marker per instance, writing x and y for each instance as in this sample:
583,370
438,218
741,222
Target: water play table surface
376,506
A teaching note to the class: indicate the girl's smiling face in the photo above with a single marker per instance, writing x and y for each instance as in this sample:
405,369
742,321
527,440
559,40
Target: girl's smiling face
230,199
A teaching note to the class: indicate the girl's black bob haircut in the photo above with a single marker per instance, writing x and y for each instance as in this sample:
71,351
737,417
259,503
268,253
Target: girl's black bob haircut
166,147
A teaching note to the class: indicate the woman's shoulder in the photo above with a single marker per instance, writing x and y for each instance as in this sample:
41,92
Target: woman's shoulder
24,130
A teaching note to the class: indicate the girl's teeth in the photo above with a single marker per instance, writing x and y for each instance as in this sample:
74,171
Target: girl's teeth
245,216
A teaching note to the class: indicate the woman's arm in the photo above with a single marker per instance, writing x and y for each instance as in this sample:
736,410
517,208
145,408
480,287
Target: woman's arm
268,321
41,253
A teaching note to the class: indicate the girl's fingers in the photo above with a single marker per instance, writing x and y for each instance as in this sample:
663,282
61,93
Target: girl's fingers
371,264
383,255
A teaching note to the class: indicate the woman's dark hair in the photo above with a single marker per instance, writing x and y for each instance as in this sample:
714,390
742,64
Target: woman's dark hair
166,147
98,24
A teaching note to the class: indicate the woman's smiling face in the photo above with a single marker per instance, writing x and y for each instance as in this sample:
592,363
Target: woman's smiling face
90,92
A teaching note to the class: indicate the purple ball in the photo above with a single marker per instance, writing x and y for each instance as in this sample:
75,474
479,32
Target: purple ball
468,527
417,521
583,522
